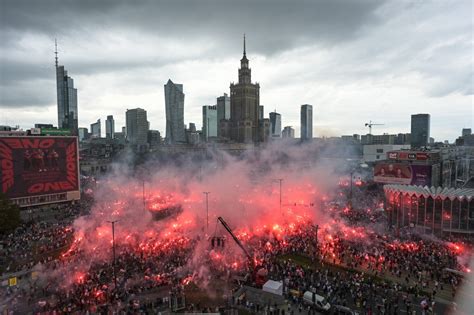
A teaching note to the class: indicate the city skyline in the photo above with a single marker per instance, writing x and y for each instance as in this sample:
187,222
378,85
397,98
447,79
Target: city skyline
384,62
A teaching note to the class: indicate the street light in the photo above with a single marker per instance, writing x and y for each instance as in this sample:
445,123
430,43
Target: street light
350,193
143,195
280,180
113,250
207,208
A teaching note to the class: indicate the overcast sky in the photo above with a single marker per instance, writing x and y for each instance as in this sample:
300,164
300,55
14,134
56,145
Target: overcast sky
354,61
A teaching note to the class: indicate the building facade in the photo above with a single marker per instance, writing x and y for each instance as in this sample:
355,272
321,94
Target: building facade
306,122
154,138
209,122
95,129
439,211
83,133
223,110
288,132
110,127
275,125
174,102
137,126
244,124
420,130
378,152
67,100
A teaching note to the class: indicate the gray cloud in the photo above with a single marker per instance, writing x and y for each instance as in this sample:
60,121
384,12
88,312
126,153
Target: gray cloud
289,23
323,52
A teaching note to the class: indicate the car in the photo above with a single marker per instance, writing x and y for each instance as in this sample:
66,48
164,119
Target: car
342,310
316,300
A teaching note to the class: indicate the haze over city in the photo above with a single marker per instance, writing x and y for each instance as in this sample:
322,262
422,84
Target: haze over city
367,60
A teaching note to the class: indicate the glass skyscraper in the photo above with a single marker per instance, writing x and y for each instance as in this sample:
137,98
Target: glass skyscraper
306,122
275,125
67,100
420,130
174,102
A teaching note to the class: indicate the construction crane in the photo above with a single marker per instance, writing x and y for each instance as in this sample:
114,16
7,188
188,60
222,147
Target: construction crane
226,226
257,277
370,124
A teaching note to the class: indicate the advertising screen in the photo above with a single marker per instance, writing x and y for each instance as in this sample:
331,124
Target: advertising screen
400,173
31,166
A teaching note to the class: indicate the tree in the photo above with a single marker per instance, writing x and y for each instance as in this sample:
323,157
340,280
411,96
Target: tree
9,215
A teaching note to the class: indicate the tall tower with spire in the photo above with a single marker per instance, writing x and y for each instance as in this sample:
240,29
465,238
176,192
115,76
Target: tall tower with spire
67,98
244,124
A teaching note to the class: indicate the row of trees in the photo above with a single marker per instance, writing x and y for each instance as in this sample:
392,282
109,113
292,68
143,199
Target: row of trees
9,215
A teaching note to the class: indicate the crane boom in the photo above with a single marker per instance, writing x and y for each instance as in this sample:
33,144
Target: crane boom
370,124
221,220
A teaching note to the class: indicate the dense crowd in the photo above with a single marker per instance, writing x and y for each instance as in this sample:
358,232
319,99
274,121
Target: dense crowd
389,270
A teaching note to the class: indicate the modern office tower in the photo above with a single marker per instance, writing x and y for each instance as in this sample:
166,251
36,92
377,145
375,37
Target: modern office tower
174,102
110,127
209,121
465,132
275,125
420,130
306,122
244,106
95,129
223,110
67,99
260,112
83,133
154,138
137,126
288,132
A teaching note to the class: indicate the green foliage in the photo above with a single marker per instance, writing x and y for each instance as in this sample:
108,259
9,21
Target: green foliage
9,215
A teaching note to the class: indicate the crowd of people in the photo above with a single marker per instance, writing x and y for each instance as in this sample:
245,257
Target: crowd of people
367,271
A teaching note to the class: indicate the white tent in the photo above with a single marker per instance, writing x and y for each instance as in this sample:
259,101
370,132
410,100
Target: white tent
274,287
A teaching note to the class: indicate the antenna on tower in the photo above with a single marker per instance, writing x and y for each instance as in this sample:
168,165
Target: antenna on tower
244,46
56,51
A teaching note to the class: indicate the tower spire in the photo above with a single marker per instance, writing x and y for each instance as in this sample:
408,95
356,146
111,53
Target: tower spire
244,47
56,52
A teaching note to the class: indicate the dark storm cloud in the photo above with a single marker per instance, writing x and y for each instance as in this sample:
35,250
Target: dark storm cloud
327,52
272,26
294,22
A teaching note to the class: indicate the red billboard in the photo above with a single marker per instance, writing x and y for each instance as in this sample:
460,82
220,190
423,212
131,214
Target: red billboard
402,173
412,155
33,166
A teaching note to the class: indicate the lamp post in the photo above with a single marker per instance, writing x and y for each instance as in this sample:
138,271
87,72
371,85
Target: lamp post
280,180
207,208
143,195
113,250
350,194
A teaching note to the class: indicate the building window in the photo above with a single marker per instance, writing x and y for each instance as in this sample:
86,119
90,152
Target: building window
379,150
377,157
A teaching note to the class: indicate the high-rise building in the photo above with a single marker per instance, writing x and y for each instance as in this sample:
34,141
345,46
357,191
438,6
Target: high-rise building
137,126
154,138
174,102
420,130
209,122
260,112
244,106
223,110
95,129
223,107
306,122
83,133
275,125
110,127
67,99
465,132
288,132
